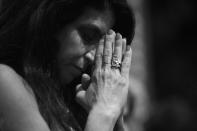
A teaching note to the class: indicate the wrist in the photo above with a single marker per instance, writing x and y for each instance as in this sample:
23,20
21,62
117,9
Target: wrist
110,112
101,116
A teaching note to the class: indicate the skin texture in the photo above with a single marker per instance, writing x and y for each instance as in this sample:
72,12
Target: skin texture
104,75
18,107
106,91
78,43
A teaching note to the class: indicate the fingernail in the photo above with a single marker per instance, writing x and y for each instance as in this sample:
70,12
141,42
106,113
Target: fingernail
128,47
102,39
124,40
110,32
118,36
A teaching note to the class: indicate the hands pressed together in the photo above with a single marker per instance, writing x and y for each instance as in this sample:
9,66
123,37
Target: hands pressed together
107,89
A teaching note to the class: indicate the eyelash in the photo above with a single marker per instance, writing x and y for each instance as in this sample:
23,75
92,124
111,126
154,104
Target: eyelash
90,37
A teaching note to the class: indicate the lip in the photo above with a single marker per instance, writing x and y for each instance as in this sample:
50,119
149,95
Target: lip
86,70
78,68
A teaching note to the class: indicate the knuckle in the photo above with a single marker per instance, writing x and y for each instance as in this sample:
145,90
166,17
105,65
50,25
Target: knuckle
127,54
122,84
107,52
96,73
107,60
125,73
109,37
127,65
107,73
124,63
99,56
124,81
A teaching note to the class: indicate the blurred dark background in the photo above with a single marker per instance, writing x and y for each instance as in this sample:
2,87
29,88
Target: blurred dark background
173,28
173,40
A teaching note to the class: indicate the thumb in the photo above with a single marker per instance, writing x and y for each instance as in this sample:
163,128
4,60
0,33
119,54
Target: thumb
81,99
85,80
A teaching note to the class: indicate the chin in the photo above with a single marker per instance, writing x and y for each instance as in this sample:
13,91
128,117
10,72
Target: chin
71,82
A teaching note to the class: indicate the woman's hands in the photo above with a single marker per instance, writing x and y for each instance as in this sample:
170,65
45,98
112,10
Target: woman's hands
109,84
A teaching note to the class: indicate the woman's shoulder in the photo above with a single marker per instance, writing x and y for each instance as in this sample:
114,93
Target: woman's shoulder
8,74
13,88
10,79
17,104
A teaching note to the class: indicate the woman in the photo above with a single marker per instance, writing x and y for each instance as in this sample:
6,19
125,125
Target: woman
48,48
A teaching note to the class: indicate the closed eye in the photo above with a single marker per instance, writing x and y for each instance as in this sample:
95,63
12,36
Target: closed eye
90,34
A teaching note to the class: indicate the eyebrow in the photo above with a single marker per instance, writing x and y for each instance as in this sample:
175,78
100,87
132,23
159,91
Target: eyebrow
93,27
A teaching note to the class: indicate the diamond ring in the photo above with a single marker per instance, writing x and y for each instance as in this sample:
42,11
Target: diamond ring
115,63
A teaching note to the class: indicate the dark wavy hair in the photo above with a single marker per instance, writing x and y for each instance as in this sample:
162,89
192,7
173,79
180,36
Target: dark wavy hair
29,46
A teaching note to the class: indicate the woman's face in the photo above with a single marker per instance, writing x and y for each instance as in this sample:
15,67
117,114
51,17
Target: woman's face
78,42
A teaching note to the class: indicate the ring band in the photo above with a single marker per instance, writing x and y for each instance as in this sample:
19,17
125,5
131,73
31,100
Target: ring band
115,63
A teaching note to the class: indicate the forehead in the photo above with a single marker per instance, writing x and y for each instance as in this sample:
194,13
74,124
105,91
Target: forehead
102,19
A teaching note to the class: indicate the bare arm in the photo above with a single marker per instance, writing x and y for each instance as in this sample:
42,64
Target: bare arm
101,119
18,107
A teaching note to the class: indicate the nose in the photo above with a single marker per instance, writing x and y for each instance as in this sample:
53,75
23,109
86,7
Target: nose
90,56
89,61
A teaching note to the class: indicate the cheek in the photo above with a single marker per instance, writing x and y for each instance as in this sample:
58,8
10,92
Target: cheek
71,46
71,52
74,42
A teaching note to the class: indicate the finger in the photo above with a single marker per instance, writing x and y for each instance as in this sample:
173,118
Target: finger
91,55
81,99
99,54
107,53
85,81
124,41
118,47
126,63
78,88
